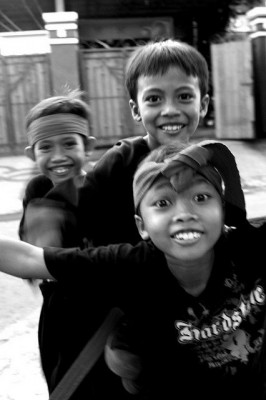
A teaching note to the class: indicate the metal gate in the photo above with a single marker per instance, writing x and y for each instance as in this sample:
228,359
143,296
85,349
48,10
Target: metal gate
102,77
24,81
233,90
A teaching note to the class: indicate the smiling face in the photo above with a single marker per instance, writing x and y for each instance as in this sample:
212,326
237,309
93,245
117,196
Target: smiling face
60,157
185,225
169,106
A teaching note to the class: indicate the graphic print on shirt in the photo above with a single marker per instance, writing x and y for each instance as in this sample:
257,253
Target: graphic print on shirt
228,337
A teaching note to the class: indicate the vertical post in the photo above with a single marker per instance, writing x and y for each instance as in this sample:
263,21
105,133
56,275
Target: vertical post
64,42
257,21
59,5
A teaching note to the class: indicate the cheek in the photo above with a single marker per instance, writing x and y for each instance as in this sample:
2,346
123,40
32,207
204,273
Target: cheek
80,160
147,113
195,109
155,224
41,162
216,220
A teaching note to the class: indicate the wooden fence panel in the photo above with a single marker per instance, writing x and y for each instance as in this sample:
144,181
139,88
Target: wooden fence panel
233,90
24,81
102,77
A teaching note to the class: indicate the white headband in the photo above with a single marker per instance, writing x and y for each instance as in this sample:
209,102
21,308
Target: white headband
56,124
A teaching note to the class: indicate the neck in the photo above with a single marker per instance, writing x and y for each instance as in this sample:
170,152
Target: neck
79,179
193,276
151,143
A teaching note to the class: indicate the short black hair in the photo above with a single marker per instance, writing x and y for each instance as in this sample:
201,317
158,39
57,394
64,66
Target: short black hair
156,57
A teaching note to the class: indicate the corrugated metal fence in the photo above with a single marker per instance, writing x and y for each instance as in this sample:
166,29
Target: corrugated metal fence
24,81
102,75
233,89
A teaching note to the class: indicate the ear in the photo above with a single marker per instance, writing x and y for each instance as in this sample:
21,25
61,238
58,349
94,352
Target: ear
29,152
89,145
204,104
134,110
140,225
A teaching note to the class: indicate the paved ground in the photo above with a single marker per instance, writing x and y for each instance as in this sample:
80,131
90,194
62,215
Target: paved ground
20,373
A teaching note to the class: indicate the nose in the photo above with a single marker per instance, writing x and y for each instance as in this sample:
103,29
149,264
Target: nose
171,108
184,212
58,154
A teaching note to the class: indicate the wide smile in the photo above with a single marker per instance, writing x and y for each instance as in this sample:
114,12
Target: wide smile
187,236
62,170
171,128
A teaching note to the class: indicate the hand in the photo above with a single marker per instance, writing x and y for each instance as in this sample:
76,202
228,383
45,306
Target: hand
43,223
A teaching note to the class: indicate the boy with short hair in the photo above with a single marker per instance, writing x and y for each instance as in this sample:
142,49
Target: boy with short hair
200,305
60,143
167,82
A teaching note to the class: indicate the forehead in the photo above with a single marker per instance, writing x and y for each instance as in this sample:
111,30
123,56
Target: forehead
174,77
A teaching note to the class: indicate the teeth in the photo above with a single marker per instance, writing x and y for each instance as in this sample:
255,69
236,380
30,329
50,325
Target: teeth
60,170
187,235
171,128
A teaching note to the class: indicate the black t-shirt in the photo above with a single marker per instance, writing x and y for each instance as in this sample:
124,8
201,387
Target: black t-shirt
208,346
59,215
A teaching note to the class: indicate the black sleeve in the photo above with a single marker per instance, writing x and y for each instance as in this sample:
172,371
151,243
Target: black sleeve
106,209
99,187
101,270
113,265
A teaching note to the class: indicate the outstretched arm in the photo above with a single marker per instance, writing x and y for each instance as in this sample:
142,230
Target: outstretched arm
22,259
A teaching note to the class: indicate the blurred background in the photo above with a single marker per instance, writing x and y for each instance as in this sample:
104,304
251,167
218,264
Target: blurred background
48,46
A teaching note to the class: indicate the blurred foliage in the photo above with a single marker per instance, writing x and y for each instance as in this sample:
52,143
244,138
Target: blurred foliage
214,20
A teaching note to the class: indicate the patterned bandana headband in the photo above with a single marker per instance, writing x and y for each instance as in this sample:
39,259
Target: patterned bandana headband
56,124
194,156
211,159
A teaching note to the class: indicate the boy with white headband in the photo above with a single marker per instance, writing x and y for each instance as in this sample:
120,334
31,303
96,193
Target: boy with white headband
58,130
199,304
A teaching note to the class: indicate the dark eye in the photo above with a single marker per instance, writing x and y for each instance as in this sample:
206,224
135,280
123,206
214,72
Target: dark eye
199,198
162,203
185,96
70,144
44,147
153,98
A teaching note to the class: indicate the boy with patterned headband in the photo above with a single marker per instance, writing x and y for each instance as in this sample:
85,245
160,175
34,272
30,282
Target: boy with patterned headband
59,142
199,312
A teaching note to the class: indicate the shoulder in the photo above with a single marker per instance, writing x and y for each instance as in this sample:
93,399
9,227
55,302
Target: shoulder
120,159
124,152
37,187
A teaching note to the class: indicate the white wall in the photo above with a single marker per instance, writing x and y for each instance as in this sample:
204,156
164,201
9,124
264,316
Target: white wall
24,43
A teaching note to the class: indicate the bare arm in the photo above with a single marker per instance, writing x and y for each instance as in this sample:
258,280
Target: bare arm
22,259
